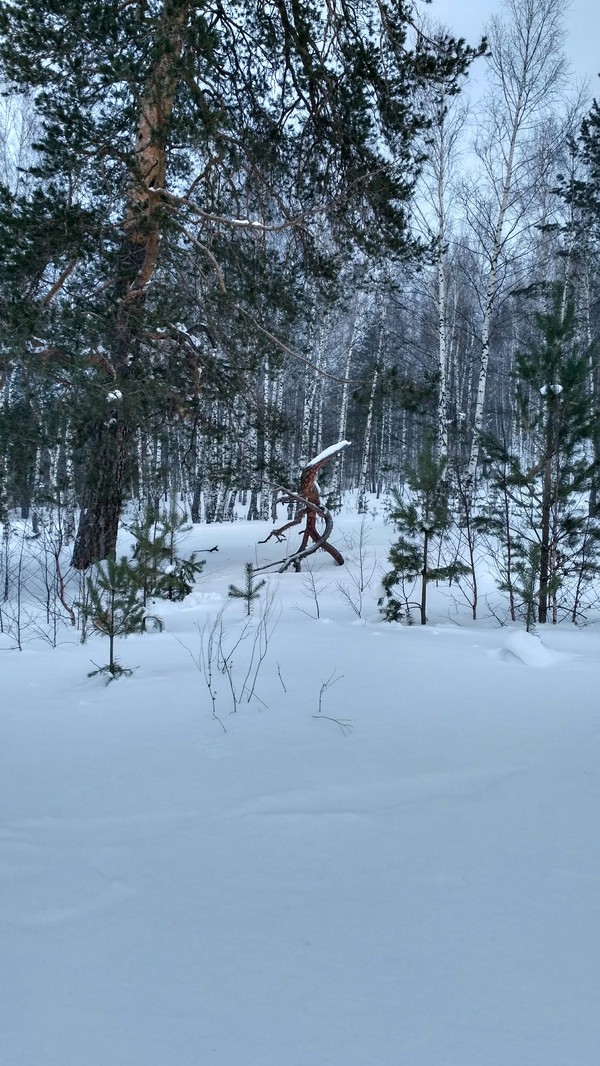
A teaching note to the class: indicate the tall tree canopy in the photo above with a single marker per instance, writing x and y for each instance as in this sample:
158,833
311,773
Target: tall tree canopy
194,163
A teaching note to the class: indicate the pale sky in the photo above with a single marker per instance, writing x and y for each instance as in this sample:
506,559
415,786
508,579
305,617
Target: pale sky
467,18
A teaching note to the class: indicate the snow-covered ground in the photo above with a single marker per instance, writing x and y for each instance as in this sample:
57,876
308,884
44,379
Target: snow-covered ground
388,856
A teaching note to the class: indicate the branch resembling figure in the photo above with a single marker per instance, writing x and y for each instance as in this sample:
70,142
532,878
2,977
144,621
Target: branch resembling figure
311,510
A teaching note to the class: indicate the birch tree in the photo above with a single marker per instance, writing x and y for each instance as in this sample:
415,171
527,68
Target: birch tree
448,117
527,69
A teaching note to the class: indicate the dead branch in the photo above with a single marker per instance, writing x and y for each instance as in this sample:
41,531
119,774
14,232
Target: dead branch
278,533
60,281
311,509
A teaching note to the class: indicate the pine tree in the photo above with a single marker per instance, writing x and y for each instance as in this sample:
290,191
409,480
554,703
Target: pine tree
250,592
115,607
161,123
584,192
581,191
547,523
161,570
423,520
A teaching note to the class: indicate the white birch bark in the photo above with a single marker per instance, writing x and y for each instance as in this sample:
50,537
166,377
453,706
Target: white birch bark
70,502
442,400
355,336
527,65
385,451
448,123
364,470
253,509
311,386
277,456
448,117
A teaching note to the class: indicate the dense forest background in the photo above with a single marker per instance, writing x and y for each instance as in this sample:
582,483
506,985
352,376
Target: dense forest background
231,235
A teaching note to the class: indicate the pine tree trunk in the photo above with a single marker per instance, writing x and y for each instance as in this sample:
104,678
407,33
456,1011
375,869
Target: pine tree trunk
108,443
102,499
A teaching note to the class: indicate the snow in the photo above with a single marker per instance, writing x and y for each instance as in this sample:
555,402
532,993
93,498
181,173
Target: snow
527,648
331,450
248,222
419,890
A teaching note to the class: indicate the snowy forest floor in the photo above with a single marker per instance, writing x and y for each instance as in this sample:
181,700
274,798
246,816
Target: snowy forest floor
388,856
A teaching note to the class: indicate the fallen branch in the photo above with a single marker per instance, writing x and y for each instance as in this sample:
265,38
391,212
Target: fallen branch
344,724
310,510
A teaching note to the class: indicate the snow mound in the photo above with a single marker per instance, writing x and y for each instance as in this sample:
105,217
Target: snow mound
528,649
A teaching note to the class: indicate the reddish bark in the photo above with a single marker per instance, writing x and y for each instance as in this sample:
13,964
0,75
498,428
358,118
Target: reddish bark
311,511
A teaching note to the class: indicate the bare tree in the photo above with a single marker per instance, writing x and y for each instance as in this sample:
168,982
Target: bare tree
17,134
527,69
448,115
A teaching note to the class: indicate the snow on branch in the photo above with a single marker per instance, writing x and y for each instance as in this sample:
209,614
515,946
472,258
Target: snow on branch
333,449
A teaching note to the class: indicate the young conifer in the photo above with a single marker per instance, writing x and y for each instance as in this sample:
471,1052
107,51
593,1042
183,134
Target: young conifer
250,592
162,571
115,608
547,525
422,520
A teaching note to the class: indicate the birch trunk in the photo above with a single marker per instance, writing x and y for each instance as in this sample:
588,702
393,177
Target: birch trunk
311,387
442,402
362,493
337,479
490,298
528,67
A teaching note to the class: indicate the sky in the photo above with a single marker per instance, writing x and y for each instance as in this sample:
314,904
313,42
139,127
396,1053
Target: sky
468,18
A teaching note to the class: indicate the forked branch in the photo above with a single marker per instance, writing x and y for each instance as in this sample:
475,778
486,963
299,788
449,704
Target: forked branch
311,509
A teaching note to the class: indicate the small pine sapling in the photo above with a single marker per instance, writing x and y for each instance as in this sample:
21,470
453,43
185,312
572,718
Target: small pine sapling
423,522
526,584
250,592
150,552
179,577
162,571
115,607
